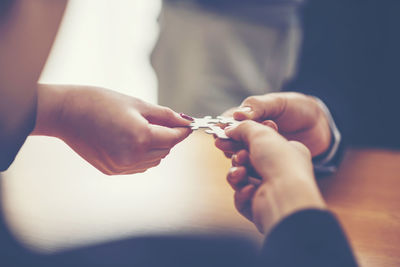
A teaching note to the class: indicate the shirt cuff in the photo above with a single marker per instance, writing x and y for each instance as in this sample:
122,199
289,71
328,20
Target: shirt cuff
326,163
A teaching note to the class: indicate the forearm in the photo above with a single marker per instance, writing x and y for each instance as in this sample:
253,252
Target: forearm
285,197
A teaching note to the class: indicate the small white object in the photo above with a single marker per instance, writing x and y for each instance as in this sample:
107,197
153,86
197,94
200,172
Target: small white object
212,125
227,120
217,131
203,122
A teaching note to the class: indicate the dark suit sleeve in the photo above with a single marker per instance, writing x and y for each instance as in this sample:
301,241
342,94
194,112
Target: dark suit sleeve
307,238
349,59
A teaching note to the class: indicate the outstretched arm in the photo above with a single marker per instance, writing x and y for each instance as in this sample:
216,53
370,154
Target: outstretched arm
286,204
116,133
298,117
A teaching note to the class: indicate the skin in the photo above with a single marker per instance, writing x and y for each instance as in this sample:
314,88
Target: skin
27,32
117,134
121,134
297,116
281,190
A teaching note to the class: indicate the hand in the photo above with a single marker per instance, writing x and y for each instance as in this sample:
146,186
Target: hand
287,184
116,133
299,117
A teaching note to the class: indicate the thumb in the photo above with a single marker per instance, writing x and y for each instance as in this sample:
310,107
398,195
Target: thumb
166,138
246,131
301,148
165,117
259,108
271,124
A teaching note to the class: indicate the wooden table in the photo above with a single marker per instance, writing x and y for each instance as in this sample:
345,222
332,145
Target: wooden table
365,196
53,199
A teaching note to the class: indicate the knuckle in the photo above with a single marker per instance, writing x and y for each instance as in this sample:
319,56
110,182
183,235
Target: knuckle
156,163
111,170
248,123
167,112
244,125
143,140
302,149
106,172
172,141
281,101
316,109
256,130
261,193
165,154
259,133
125,159
252,100
228,155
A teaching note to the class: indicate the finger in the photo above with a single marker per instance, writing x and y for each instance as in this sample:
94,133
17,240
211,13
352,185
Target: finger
241,158
254,181
155,154
116,170
237,177
165,117
133,171
261,107
243,200
229,112
302,148
260,200
261,142
252,173
164,137
228,155
247,131
129,163
103,164
148,165
271,124
138,167
228,146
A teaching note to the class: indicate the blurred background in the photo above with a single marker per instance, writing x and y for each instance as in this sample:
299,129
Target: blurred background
197,57
107,43
53,199
212,54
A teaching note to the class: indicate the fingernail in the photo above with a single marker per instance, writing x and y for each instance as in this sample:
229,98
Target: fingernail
233,170
245,109
186,117
234,158
271,124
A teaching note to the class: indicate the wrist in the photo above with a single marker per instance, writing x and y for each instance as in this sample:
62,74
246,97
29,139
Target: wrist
283,198
51,100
